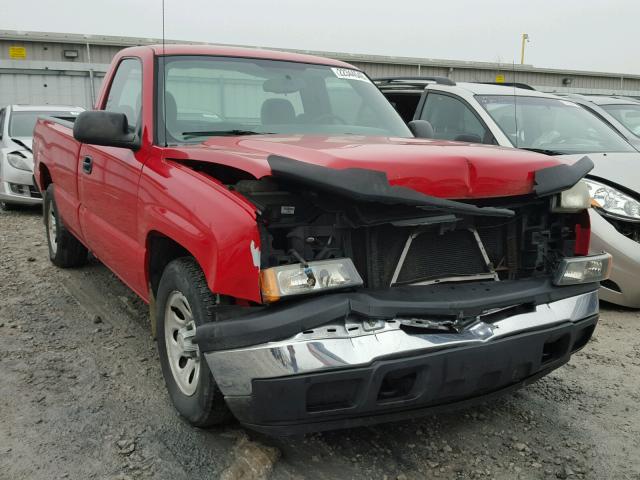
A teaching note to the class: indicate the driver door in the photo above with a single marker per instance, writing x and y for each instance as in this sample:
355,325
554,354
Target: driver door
108,183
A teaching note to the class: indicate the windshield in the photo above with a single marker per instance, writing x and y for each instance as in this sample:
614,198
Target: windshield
22,123
628,115
551,125
208,96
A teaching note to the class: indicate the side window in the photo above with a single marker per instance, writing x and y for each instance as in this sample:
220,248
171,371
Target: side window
125,94
451,119
2,122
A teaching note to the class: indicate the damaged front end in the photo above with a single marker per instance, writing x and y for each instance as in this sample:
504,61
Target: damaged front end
379,301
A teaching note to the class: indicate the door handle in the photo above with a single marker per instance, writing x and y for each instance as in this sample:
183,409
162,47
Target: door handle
87,165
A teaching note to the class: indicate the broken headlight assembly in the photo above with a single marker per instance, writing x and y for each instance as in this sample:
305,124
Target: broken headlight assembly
20,161
312,277
573,200
612,202
575,270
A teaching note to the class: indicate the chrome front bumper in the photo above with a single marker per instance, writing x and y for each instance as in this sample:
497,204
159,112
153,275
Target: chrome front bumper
350,344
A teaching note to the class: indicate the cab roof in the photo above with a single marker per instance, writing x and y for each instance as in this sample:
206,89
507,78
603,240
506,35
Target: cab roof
224,51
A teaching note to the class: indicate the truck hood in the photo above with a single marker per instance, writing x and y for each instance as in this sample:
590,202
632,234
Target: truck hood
620,168
441,169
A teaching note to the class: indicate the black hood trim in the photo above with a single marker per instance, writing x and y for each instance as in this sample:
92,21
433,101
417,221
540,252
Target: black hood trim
366,185
561,177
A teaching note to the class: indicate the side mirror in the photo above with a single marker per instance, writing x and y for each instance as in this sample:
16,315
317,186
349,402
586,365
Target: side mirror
109,129
421,128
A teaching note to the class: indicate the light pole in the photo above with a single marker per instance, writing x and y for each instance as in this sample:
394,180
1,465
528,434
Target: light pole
525,38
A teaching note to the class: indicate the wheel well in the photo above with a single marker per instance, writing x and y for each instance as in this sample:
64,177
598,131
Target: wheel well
161,251
45,177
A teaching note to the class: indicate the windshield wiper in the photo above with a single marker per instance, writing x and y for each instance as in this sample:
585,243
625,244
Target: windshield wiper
545,151
221,133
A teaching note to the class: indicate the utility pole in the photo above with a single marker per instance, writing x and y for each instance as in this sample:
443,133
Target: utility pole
525,39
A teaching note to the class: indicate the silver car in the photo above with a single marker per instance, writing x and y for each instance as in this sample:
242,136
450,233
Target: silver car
552,125
621,113
16,160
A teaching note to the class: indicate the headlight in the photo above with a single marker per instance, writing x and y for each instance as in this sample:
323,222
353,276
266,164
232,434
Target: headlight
573,200
314,277
20,161
574,270
613,201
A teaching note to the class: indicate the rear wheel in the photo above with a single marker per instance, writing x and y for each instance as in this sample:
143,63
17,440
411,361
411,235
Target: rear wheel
65,250
184,302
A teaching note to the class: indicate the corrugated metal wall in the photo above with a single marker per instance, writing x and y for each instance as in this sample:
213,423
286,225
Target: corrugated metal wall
55,51
53,89
46,75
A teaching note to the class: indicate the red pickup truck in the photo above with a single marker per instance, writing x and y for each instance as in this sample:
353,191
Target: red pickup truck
308,262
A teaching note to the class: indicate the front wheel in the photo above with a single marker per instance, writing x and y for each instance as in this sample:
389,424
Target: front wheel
65,250
184,302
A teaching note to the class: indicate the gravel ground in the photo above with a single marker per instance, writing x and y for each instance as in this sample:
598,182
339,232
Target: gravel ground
82,397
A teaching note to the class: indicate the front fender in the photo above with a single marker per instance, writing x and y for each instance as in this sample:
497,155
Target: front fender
202,216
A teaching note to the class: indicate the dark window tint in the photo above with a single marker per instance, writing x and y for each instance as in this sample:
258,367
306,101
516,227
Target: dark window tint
1,122
125,94
451,119
404,103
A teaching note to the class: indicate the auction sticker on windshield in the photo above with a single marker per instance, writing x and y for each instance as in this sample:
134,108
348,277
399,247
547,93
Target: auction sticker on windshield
349,74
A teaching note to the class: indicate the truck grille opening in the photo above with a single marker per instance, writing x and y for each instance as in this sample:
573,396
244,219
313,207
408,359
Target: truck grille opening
393,245
471,249
395,256
431,255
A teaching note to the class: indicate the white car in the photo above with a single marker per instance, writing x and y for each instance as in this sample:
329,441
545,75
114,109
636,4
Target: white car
16,160
524,118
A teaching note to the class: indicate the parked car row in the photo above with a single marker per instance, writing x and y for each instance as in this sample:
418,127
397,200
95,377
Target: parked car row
569,127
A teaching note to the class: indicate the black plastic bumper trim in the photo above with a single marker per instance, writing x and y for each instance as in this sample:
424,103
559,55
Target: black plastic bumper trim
279,322
448,380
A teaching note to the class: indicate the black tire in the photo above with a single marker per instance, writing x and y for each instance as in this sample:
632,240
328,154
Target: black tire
67,252
205,406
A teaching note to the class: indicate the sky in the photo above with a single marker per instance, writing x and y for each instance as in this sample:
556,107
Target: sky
569,34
